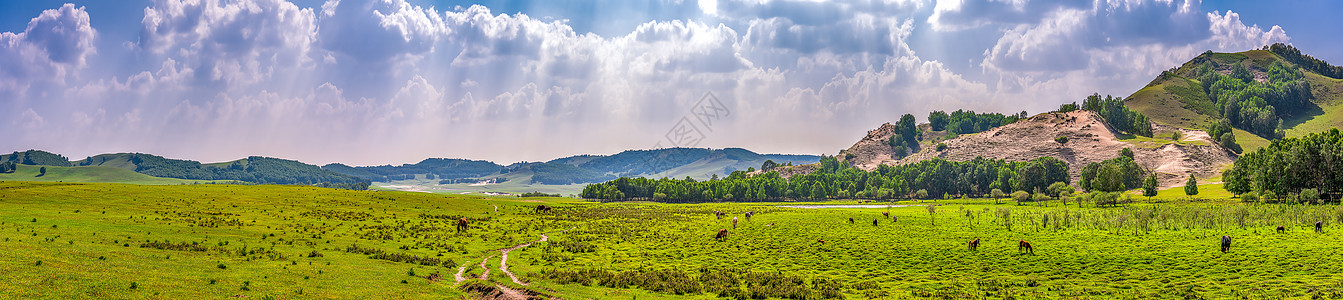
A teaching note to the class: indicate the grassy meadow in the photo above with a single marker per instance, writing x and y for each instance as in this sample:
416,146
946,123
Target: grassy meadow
99,240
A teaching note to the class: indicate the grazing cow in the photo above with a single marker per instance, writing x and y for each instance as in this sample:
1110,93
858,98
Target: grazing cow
734,222
850,220
886,214
874,222
749,214
770,224
462,224
894,218
542,208
820,241
973,244
1026,246
719,214
1226,243
1319,227
1281,230
722,233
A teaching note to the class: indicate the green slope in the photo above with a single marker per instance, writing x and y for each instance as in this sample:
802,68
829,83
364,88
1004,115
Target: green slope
89,174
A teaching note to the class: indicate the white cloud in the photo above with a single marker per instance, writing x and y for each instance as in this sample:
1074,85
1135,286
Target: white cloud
407,82
1230,33
54,44
377,30
230,42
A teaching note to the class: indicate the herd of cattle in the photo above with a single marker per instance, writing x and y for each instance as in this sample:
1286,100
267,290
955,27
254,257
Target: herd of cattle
1022,245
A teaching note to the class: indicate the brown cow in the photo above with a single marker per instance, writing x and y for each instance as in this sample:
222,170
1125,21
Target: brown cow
542,208
1226,243
719,214
1281,229
462,224
1319,227
1026,246
722,233
973,244
749,214
820,241
886,214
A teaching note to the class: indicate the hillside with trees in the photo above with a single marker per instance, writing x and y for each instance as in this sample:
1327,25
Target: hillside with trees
1263,95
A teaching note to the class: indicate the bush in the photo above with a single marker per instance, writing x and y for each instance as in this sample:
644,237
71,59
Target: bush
941,146
1250,197
1309,196
1021,196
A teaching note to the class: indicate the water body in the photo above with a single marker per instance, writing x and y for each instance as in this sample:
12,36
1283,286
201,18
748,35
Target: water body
848,206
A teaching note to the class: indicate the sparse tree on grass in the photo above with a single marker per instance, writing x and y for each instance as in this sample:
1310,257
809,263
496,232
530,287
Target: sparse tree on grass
1149,186
1020,196
997,194
1191,186
42,171
932,213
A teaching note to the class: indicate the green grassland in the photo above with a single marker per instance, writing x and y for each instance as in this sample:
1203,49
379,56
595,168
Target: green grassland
89,174
1329,97
1168,101
98,240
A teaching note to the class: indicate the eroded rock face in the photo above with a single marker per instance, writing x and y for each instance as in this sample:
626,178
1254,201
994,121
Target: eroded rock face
1089,140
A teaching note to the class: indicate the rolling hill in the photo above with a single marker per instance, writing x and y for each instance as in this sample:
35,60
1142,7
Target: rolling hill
89,174
1187,96
255,169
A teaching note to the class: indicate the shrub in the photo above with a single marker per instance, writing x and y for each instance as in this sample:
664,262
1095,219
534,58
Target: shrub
1021,196
941,146
1309,196
1250,197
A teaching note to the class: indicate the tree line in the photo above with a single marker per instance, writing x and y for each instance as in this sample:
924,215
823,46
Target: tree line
1113,113
1312,164
835,179
1313,64
967,121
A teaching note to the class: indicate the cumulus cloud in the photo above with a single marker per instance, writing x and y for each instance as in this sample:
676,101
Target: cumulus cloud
378,30
407,81
229,42
1062,38
53,45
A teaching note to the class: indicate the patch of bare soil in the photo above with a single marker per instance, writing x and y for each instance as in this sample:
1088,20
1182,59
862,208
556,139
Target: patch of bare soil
1089,140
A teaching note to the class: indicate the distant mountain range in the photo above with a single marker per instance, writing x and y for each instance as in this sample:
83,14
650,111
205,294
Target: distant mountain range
672,162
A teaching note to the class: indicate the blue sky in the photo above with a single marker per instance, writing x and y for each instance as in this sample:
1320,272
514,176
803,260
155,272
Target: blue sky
394,81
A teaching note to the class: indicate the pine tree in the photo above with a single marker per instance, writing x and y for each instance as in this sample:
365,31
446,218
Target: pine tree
1149,186
1191,186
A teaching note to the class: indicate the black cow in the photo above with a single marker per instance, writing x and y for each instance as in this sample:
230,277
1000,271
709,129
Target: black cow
1226,243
